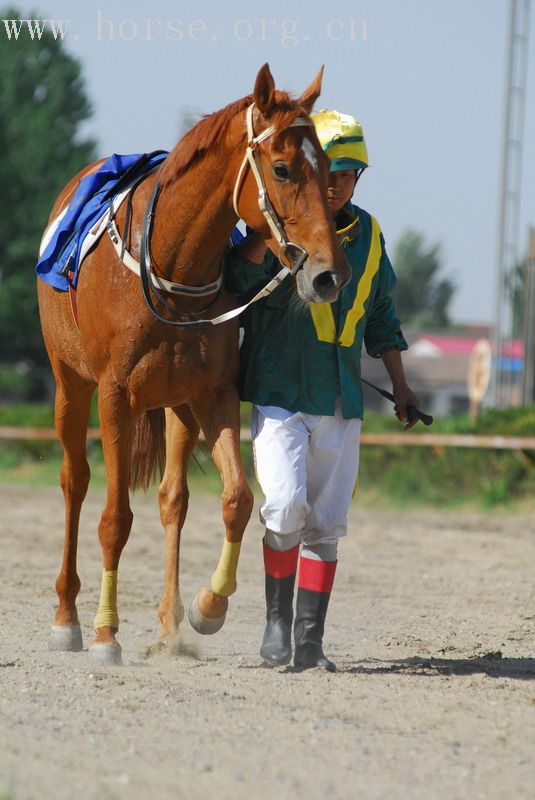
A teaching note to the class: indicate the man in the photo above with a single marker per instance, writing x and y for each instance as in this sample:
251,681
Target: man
300,367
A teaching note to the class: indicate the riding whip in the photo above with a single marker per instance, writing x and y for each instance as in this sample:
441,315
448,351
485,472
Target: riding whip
412,411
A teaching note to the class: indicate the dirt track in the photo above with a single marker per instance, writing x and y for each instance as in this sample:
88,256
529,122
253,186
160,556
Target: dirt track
432,626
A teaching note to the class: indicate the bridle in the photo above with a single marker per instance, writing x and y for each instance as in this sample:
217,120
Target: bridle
252,158
295,254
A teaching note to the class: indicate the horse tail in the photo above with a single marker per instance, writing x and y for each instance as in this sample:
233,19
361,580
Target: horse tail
147,454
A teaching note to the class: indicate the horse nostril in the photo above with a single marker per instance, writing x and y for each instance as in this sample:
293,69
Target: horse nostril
325,280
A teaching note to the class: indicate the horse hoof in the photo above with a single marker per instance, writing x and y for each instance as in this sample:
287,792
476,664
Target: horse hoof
200,621
171,647
106,654
66,638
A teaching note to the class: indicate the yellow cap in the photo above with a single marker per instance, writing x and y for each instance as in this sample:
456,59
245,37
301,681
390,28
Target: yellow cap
342,139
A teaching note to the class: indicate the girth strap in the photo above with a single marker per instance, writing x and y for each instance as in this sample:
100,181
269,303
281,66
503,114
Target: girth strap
159,283
119,245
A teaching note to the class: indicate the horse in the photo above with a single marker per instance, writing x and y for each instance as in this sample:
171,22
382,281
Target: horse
163,371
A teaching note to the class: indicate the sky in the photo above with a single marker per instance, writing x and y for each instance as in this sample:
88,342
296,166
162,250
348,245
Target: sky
425,78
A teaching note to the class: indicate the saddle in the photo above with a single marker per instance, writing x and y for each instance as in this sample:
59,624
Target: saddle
77,229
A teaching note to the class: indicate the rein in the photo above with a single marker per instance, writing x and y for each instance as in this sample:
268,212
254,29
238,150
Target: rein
251,158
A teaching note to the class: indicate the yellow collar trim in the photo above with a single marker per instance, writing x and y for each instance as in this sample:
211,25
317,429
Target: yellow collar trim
350,232
343,231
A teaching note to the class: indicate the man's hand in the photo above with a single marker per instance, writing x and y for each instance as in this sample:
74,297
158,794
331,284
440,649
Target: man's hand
253,247
403,395
406,402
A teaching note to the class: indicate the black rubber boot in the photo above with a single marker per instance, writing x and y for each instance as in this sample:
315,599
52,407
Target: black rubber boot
310,616
277,643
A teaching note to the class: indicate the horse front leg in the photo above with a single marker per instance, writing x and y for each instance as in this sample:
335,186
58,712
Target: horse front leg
116,521
72,404
181,434
220,423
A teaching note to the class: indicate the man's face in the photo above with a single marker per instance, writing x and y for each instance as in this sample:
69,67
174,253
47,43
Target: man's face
341,187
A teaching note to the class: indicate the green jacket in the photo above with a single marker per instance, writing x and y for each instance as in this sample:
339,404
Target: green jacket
302,356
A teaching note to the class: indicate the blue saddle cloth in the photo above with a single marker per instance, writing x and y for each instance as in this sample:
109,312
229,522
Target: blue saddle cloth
236,237
88,204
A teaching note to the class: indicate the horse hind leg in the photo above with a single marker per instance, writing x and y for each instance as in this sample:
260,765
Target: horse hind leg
72,406
221,426
181,434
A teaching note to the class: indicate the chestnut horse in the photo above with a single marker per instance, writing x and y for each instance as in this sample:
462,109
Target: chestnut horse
147,354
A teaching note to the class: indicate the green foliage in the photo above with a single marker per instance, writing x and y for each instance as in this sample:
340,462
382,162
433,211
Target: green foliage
422,297
507,421
42,104
14,382
14,453
27,415
443,477
493,421
451,476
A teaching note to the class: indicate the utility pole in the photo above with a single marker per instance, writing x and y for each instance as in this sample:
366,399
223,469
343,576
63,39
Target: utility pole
509,206
528,392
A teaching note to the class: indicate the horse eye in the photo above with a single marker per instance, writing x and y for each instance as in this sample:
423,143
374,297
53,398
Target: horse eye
281,171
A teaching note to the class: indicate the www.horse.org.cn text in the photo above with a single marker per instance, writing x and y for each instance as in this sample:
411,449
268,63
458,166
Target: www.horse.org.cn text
280,32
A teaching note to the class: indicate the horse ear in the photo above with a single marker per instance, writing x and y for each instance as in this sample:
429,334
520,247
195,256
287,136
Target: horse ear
310,95
264,91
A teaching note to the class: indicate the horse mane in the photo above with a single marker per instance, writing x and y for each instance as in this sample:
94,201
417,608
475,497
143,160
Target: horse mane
209,134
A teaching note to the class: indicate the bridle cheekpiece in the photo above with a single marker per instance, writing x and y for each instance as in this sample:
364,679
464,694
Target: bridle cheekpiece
252,158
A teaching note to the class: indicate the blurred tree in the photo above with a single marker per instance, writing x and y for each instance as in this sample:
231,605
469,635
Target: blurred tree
42,104
422,297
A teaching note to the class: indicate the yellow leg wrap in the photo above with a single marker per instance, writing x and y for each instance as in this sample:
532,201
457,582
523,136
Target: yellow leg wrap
224,578
107,607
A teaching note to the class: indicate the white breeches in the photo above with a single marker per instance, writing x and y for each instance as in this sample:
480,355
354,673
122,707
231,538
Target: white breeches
307,467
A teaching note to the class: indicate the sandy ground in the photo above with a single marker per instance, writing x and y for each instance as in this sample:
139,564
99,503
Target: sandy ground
432,626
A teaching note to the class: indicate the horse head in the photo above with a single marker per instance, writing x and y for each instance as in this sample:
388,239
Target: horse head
280,189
